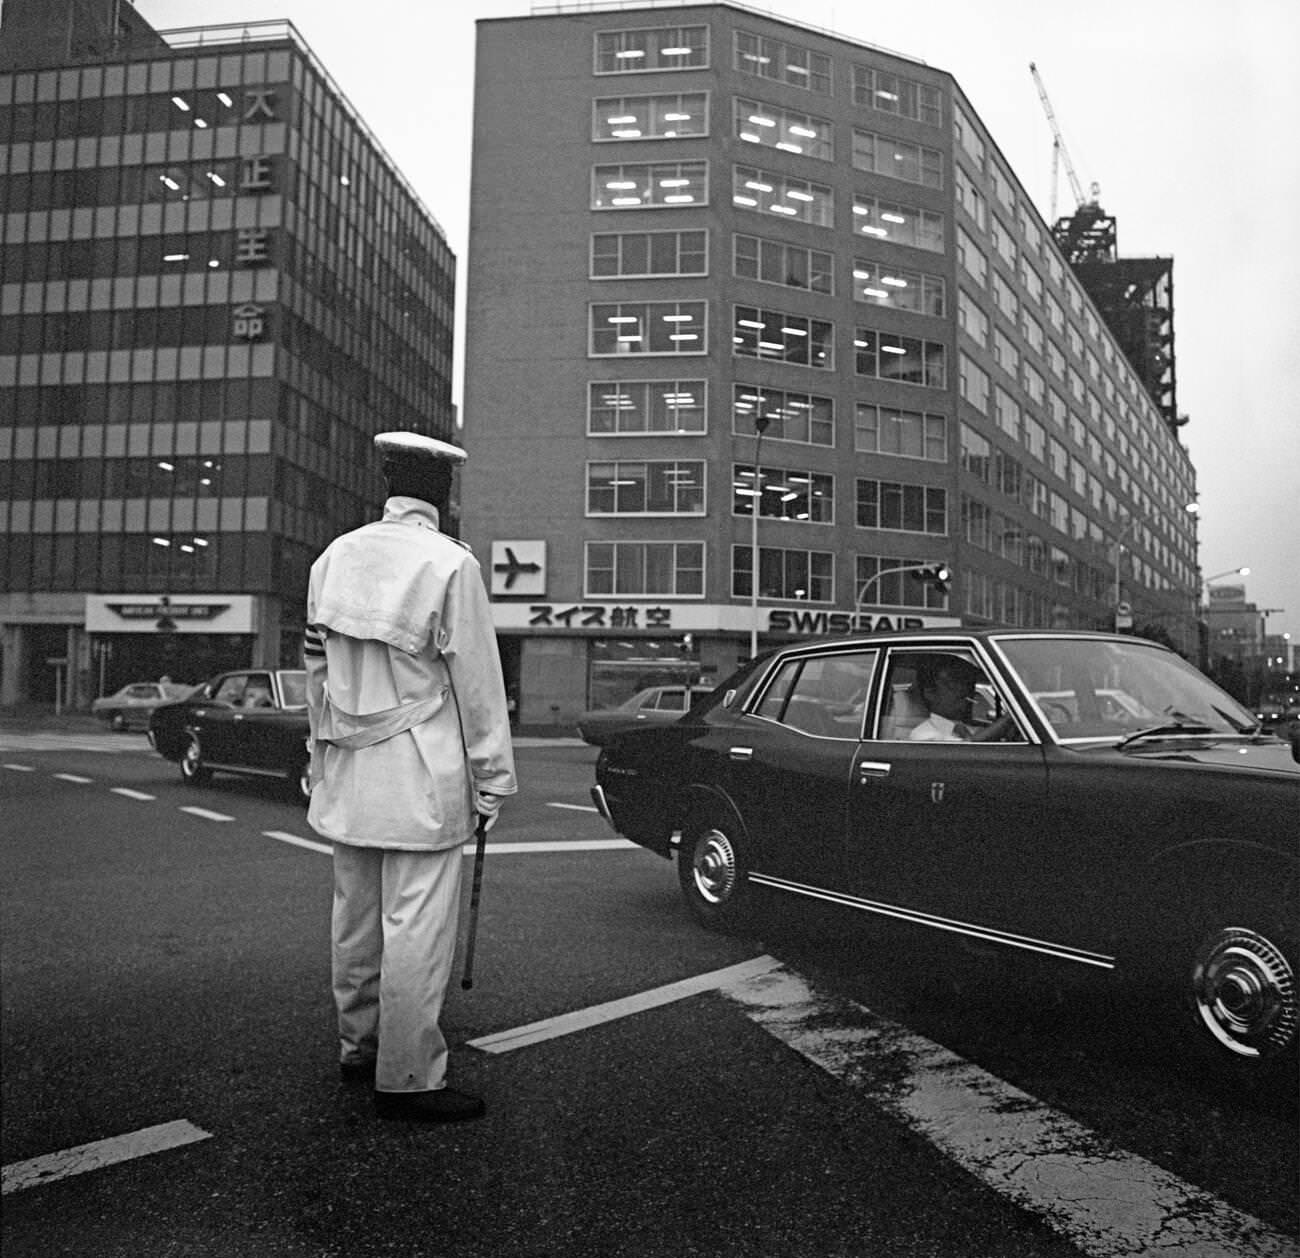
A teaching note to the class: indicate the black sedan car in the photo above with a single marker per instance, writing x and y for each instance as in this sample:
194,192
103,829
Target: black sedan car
1089,798
253,722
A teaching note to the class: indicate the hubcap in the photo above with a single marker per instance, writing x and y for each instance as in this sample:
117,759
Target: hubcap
1245,992
714,866
190,760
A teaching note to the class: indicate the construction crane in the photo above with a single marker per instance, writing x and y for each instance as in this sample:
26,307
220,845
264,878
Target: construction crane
1060,154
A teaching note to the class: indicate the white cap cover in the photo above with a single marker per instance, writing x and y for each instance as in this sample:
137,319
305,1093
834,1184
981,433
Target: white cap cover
397,445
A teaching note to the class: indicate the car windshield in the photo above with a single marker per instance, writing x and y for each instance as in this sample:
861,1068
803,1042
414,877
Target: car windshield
1093,689
293,686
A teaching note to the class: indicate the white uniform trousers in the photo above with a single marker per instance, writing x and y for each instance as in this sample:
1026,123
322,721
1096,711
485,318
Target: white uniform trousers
395,918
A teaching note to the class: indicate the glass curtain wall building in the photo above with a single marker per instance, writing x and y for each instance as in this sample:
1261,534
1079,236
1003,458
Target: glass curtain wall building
761,264
216,287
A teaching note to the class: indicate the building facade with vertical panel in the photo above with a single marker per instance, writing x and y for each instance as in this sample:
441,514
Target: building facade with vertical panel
693,223
215,287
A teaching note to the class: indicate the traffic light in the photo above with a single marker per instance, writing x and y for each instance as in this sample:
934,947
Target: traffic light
937,575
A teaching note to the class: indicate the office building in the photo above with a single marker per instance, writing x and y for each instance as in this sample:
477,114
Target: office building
216,287
718,258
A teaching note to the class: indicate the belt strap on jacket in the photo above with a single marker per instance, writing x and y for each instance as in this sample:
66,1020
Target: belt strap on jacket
351,730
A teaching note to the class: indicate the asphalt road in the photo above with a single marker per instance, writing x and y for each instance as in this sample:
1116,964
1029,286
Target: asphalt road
166,972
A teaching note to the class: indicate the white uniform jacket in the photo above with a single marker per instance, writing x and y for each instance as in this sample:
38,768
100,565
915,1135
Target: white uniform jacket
401,658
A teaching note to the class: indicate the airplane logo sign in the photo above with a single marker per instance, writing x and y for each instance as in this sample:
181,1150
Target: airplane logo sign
518,569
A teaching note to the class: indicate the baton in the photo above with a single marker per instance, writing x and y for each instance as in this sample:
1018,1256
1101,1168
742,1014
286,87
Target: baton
480,851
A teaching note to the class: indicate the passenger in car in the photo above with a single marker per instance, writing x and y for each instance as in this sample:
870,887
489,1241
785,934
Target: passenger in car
946,684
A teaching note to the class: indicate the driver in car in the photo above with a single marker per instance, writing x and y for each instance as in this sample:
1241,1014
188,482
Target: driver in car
946,684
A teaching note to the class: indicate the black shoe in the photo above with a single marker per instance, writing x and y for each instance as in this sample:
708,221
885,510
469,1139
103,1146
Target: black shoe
357,1071
446,1105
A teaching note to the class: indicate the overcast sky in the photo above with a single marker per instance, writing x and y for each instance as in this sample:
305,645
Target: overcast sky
1183,112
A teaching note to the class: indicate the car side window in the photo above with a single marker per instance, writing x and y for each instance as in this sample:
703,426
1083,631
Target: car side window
672,701
257,692
231,689
942,696
824,695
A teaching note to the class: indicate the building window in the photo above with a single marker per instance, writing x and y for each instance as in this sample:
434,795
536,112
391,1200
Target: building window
1004,243
637,407
1004,297
648,327
973,384
649,185
653,48
907,434
772,126
781,62
881,284
667,117
971,199
644,569
806,575
968,138
895,589
800,417
661,487
1006,411
897,159
972,258
893,94
898,224
775,262
976,454
971,318
772,193
1005,353
902,508
636,255
902,359
788,494
1002,187
781,337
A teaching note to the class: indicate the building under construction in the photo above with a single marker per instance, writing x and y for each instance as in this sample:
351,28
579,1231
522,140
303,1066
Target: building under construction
1134,295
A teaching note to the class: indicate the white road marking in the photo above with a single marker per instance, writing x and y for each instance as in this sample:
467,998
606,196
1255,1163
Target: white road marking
89,1157
206,813
573,807
1104,1200
582,1019
21,768
310,844
129,793
559,845
71,777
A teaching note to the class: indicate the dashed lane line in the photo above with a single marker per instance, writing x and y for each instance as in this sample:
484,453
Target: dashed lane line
310,844
582,1019
130,794
72,777
206,813
90,1157
573,807
21,768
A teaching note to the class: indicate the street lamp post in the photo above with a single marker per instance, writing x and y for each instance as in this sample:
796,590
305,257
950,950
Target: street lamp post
760,427
1119,550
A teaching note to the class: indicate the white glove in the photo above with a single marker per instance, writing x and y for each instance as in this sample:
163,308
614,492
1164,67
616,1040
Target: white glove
487,806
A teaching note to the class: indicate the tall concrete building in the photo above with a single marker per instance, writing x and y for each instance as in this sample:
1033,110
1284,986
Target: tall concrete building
718,259
215,287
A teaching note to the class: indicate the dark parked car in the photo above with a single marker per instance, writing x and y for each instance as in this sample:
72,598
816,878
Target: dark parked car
656,705
1132,817
131,707
253,721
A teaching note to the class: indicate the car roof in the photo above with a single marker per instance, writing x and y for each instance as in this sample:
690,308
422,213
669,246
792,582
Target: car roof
955,633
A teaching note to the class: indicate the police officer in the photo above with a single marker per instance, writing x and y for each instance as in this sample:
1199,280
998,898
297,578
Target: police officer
410,743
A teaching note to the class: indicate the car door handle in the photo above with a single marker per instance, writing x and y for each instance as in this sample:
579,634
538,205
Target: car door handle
868,769
741,753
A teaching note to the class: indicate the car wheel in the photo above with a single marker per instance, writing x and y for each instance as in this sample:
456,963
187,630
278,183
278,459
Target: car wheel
117,722
193,770
1232,986
713,870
